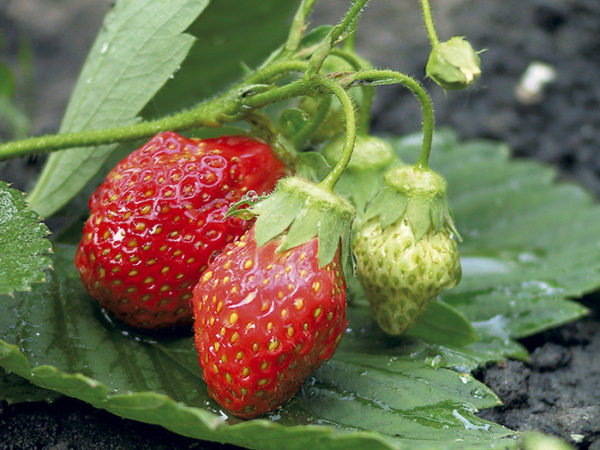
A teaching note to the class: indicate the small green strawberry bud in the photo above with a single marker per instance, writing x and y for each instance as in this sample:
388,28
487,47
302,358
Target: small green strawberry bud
405,251
333,123
453,64
363,176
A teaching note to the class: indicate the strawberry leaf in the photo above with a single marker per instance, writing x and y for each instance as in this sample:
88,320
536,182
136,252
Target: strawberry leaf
521,263
16,389
24,249
140,48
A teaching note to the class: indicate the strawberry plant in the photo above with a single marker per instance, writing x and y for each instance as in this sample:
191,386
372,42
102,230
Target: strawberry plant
293,344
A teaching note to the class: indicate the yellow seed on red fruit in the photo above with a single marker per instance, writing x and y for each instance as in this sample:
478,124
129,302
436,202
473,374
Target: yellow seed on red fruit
207,276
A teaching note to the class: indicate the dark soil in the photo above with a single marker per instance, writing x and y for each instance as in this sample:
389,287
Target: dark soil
556,392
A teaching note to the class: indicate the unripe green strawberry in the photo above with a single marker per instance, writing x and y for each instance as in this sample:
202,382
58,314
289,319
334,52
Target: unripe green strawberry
159,216
405,253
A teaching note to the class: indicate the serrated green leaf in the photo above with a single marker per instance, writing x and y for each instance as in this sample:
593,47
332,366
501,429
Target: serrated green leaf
140,46
24,249
371,394
16,389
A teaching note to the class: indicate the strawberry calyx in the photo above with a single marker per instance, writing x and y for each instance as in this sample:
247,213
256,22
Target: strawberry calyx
416,194
297,211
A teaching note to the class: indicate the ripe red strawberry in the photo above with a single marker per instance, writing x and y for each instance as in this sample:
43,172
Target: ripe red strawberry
264,320
159,216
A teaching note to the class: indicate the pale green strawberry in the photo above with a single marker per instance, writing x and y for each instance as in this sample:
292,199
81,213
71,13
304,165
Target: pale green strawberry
405,251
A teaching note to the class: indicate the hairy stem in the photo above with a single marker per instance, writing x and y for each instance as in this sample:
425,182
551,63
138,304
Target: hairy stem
324,48
331,179
368,92
383,77
429,26
213,113
298,26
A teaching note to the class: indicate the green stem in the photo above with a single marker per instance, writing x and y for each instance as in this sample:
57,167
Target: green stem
298,26
364,113
428,19
226,108
324,48
331,179
382,77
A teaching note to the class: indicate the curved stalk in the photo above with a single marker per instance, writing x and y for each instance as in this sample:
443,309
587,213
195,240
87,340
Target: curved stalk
368,92
383,77
331,179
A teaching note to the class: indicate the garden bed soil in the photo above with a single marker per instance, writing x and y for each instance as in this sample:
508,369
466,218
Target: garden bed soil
556,392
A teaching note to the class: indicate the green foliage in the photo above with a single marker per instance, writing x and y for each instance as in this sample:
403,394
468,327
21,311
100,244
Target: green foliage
377,391
139,50
528,249
24,249
16,389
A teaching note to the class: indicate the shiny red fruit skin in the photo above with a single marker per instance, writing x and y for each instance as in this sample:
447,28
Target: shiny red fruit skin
158,217
264,321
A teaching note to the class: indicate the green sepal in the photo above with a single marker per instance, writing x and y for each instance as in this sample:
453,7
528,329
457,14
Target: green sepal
275,215
418,215
388,204
305,210
414,194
